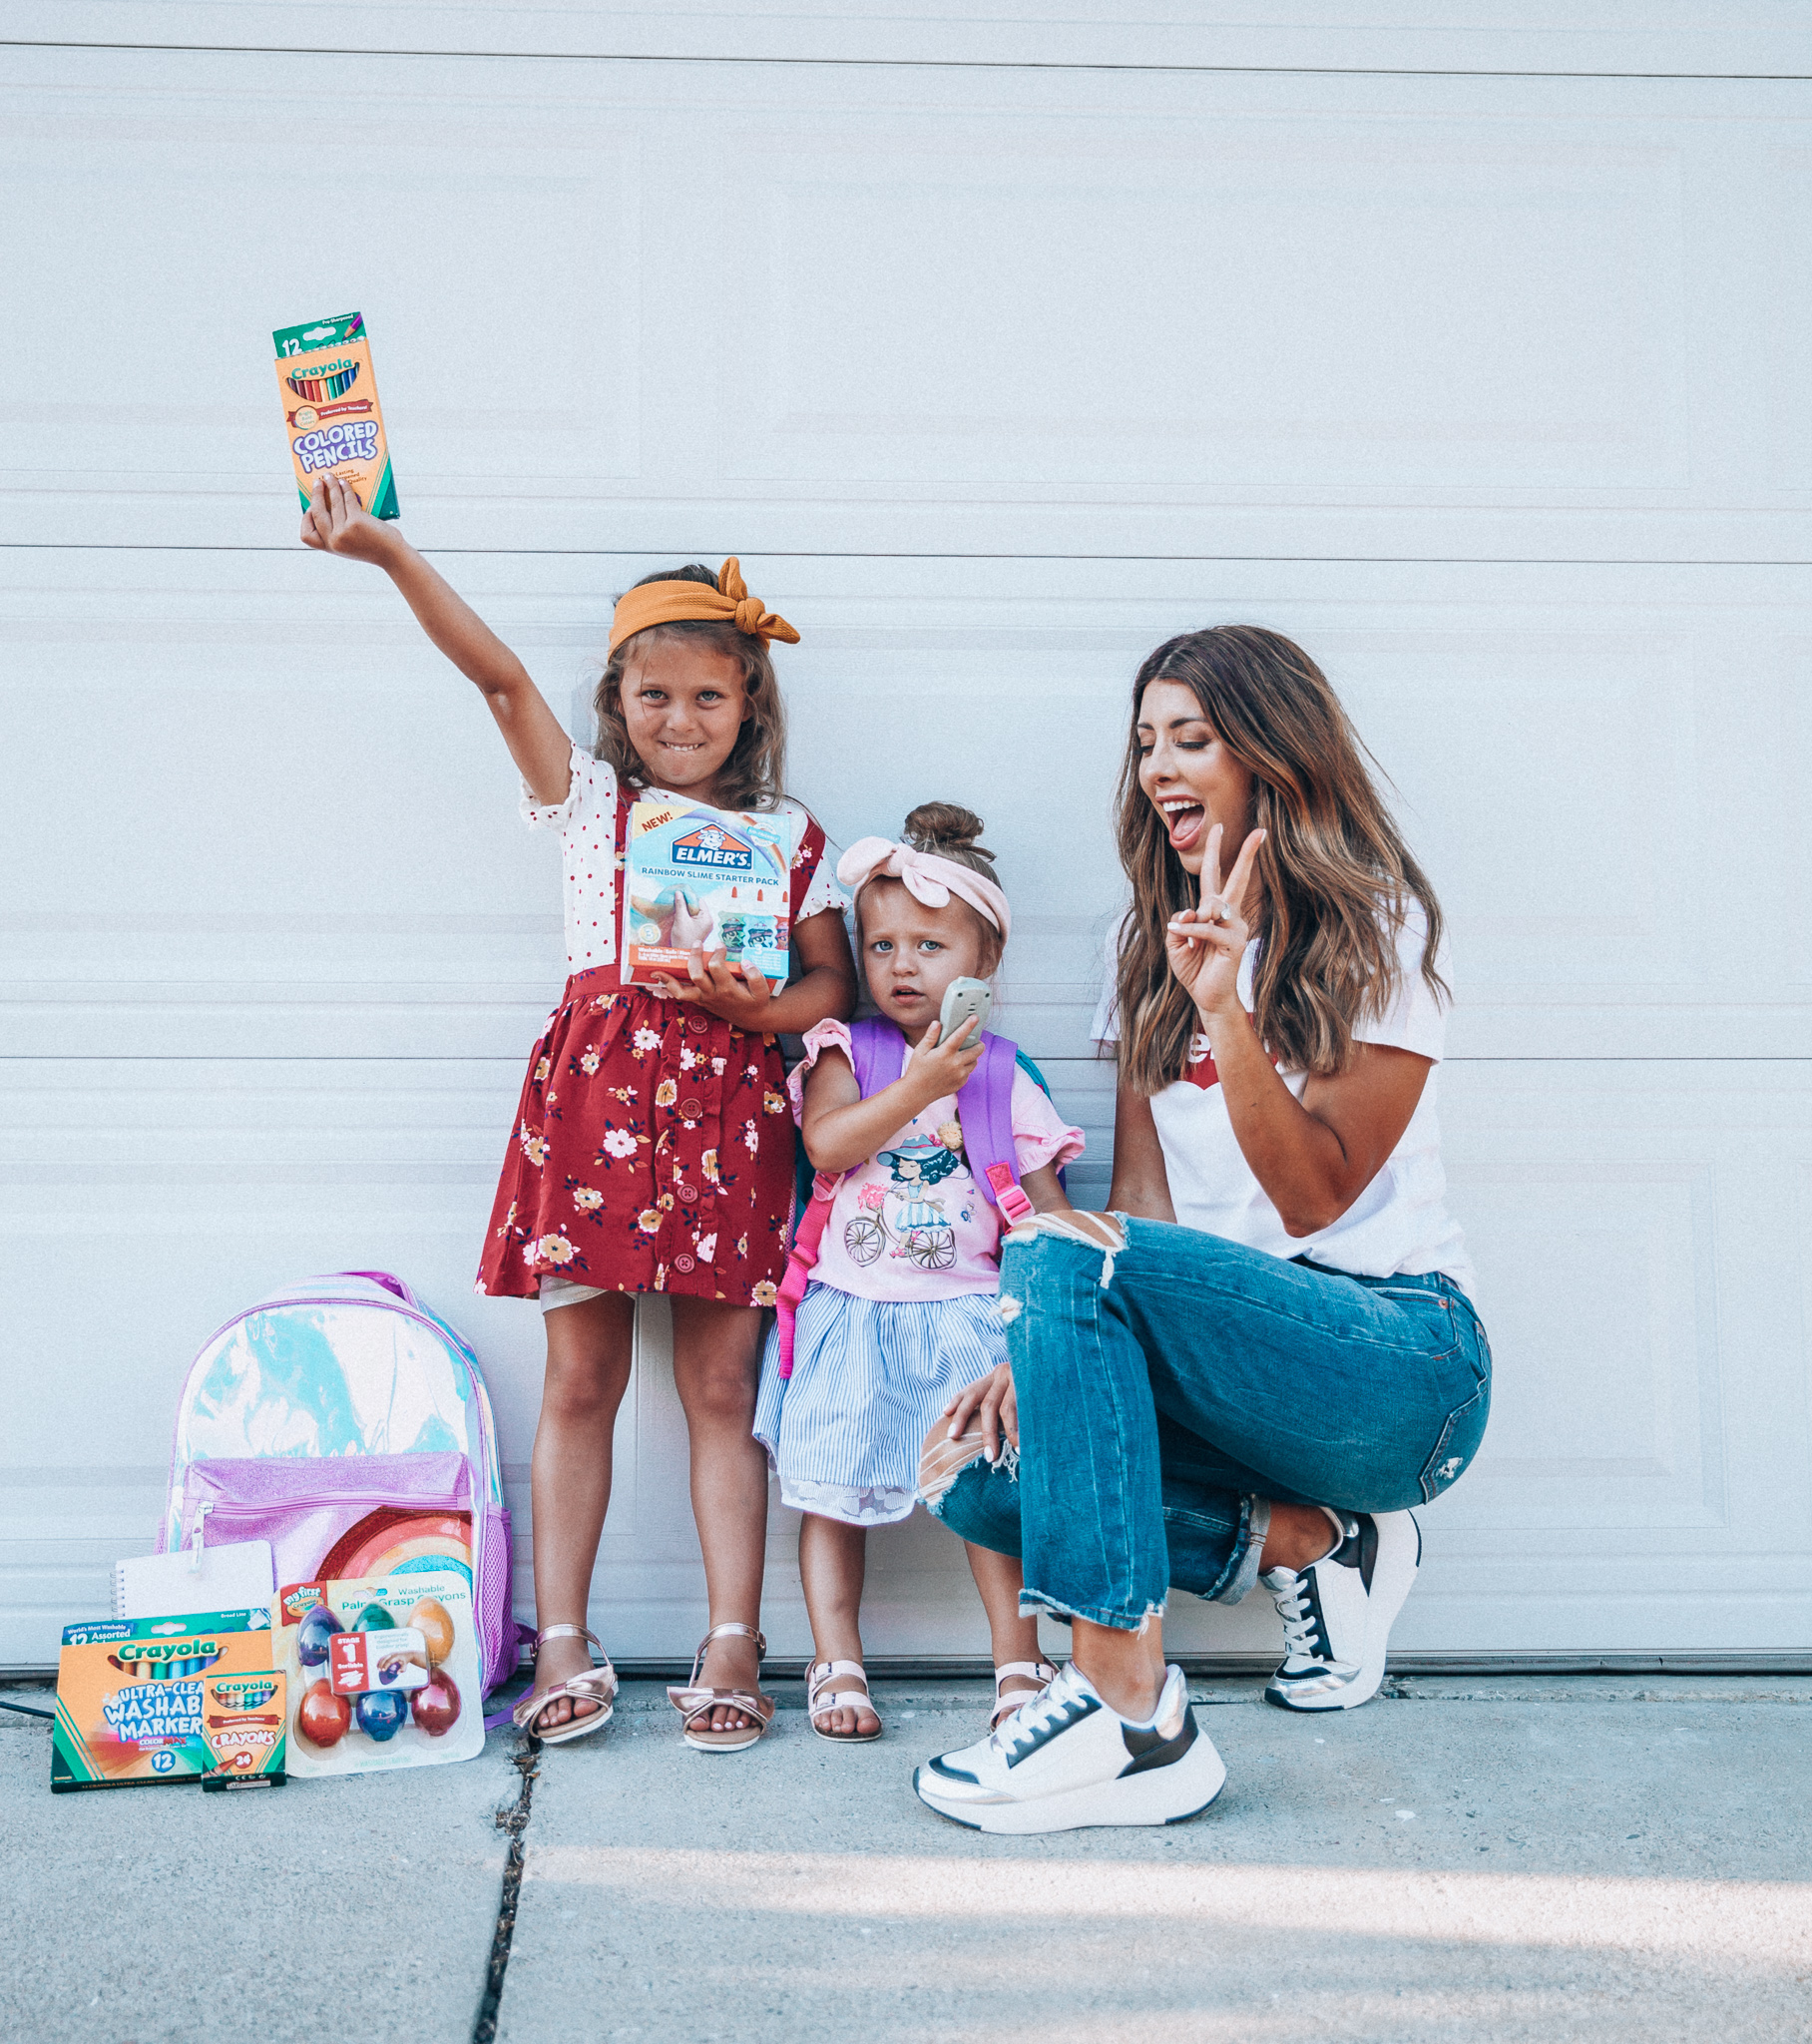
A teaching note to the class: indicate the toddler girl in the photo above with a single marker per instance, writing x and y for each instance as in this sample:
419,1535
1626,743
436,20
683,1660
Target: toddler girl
901,1311
652,1150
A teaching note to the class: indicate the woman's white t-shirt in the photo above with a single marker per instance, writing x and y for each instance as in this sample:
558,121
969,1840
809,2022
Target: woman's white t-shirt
1398,1226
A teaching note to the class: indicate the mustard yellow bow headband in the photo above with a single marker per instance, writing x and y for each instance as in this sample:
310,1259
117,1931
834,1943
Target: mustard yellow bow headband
675,602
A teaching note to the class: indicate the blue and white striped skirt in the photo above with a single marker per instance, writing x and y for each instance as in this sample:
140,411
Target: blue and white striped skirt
869,1377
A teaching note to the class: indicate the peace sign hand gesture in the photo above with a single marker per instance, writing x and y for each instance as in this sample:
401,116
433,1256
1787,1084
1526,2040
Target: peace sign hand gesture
1204,944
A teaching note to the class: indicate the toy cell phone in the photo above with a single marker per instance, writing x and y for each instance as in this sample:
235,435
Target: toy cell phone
963,998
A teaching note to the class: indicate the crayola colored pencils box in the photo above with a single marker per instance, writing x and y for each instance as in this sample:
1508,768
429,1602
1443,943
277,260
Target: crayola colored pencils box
695,878
132,1694
330,408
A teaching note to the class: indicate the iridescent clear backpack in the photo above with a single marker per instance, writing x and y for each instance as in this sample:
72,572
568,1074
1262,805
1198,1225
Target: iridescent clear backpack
349,1427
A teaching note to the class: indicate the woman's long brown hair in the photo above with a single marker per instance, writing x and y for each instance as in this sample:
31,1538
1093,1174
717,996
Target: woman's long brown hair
1338,879
754,774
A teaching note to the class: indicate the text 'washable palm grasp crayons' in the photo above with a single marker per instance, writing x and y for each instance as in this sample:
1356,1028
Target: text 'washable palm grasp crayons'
331,409
697,878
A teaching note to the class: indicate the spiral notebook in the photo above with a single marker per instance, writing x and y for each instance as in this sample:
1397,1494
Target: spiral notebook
239,1575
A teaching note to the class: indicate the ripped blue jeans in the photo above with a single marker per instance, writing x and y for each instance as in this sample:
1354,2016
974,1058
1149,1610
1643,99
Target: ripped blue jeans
1162,1410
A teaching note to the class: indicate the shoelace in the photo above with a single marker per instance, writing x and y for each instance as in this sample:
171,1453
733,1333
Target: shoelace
1298,1624
1030,1718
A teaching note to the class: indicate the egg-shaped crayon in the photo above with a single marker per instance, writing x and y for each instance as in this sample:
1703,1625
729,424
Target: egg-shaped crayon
435,1706
432,1619
318,1627
374,1619
381,1713
322,1717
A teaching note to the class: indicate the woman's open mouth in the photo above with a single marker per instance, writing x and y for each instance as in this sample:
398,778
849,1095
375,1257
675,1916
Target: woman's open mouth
1184,815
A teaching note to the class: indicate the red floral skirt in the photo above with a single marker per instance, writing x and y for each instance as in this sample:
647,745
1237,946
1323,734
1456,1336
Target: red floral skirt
653,1152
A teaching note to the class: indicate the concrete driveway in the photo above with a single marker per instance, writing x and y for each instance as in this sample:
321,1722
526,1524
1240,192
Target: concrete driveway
1486,1859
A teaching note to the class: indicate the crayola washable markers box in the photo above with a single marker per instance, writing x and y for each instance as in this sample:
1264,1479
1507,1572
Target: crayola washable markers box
132,1694
330,408
695,878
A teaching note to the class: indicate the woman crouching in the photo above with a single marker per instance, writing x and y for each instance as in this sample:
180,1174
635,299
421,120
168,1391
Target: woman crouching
1267,1354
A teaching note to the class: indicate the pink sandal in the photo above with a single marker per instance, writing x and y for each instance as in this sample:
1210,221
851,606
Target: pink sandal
596,1686
1040,1672
824,1696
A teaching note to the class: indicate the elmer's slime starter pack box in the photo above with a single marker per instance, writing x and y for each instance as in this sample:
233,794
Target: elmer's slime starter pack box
132,1694
695,878
330,408
383,1671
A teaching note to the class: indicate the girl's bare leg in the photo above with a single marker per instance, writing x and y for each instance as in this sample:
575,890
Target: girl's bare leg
1000,1578
589,1347
832,1561
717,1366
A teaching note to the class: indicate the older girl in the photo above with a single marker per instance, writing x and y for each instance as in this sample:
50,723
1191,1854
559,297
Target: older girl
651,1150
1268,1353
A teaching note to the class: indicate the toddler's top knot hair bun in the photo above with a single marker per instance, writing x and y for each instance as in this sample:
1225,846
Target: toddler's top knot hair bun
951,831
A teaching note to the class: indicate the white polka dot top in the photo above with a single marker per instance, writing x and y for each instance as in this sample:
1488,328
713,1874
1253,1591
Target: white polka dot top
587,822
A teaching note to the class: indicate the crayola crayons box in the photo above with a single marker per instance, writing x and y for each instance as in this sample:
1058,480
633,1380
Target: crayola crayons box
243,1720
383,1671
132,1703
695,878
330,408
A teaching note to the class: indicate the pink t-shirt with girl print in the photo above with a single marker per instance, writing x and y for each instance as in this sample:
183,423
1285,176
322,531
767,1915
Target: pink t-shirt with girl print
911,1223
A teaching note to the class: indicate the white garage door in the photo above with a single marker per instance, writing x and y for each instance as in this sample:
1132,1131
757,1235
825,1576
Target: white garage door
1000,352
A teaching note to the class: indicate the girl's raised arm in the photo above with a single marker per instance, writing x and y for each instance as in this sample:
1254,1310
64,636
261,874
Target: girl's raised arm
335,522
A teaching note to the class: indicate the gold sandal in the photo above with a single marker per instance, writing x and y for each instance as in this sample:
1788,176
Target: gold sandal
597,1685
695,1704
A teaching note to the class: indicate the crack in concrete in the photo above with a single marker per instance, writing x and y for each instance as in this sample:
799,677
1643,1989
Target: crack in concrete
514,1821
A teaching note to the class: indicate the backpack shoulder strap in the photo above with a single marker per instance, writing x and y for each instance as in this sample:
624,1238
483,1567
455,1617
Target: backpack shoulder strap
985,1108
870,1042
813,1191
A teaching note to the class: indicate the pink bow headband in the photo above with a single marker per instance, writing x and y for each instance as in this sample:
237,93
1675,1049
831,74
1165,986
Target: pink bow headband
926,876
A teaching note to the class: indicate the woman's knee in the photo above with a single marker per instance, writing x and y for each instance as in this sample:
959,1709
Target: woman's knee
979,1504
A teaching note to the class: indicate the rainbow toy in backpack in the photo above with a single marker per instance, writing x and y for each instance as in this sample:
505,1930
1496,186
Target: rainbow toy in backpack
348,1426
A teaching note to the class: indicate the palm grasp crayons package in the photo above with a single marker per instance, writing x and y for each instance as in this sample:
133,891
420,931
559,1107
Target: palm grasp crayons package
383,1671
695,878
135,1696
331,413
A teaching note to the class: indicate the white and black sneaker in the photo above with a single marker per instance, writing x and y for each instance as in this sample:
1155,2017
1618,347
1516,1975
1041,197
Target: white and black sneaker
1337,1614
1065,1759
